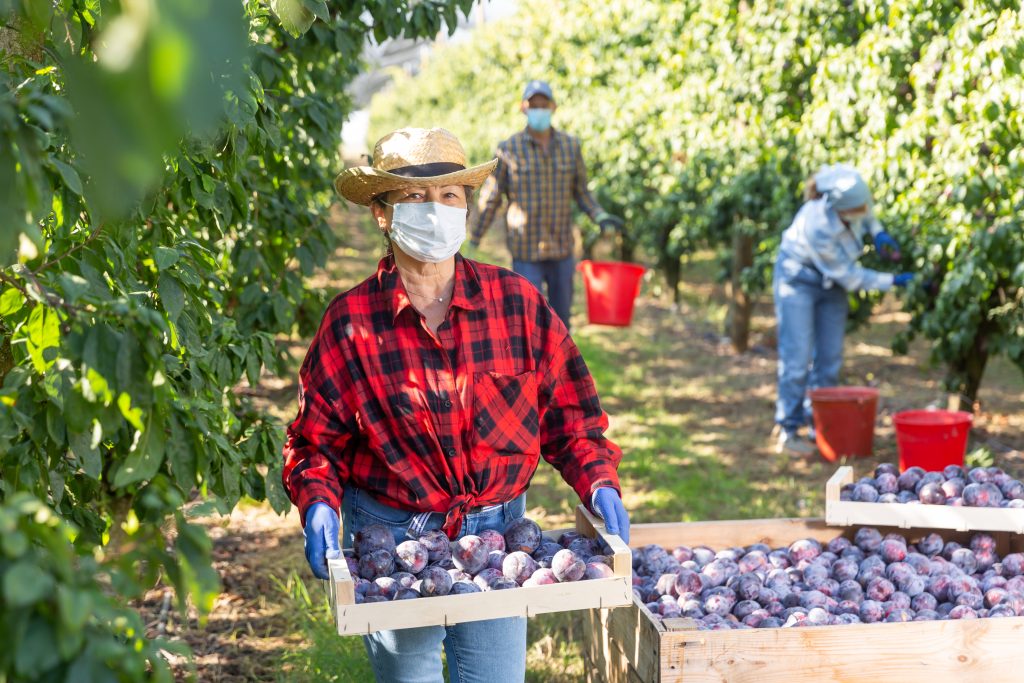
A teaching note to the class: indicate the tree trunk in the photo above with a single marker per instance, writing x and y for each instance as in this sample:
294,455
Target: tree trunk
965,374
740,303
673,267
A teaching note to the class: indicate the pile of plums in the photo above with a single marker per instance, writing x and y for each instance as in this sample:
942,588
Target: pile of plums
870,579
982,487
431,565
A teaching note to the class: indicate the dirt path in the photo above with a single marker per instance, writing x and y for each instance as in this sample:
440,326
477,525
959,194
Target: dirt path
679,371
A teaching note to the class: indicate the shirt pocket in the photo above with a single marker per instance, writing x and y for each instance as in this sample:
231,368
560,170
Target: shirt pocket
506,420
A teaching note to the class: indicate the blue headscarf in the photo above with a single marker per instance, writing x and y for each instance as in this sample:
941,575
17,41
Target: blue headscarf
842,186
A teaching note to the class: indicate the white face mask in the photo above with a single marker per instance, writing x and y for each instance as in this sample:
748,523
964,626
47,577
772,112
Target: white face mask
428,231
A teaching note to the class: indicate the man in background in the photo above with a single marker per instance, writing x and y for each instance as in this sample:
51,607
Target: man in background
541,172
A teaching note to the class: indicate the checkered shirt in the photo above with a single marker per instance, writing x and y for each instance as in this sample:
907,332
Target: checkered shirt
444,423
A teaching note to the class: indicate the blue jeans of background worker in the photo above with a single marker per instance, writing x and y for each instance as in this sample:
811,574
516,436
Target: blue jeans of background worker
558,275
811,324
491,651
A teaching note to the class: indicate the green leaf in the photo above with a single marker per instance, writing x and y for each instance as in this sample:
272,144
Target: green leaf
75,607
319,8
69,175
295,16
165,257
36,653
171,295
42,332
11,301
146,457
84,447
276,495
74,286
25,583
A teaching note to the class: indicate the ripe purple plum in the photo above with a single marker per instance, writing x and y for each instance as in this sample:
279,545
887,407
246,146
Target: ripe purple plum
953,488
887,482
587,547
963,612
459,575
375,564
804,549
503,584
879,589
373,537
688,581
850,590
439,548
930,545
682,553
469,553
1013,564
982,542
546,549
411,556
495,558
845,568
463,587
387,586
523,535
353,566
435,581
569,566
519,566
892,550
965,560
747,586
486,577
864,493
871,611
493,539
404,579
868,539
928,478
886,468
932,494
598,570
753,561
900,614
907,481
406,594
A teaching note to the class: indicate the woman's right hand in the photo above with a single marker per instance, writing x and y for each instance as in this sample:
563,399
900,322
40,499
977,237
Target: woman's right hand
322,527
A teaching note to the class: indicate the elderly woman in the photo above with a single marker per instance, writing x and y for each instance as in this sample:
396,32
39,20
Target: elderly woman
815,270
428,396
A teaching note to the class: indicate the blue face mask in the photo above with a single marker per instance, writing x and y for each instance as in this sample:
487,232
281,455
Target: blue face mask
538,119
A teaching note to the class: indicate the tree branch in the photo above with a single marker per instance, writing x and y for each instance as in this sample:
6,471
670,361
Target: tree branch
70,251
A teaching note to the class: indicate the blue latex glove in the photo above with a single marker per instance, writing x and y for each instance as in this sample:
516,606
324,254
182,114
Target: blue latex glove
608,505
322,527
609,223
902,279
887,246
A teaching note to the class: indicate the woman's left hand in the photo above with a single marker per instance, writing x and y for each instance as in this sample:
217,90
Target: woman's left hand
608,504
887,246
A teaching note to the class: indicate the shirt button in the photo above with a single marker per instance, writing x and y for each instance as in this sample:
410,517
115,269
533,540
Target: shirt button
451,452
447,404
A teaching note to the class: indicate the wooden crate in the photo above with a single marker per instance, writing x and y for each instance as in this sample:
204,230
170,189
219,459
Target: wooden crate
630,646
904,516
361,619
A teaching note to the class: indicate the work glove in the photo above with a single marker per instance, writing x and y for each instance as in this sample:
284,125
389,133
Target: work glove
902,279
887,246
321,532
609,223
608,506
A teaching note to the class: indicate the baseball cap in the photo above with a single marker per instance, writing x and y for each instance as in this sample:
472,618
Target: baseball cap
538,88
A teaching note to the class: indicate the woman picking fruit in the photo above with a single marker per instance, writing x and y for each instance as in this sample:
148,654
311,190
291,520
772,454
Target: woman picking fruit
428,396
815,270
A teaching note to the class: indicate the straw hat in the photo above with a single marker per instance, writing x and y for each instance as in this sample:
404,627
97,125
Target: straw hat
411,157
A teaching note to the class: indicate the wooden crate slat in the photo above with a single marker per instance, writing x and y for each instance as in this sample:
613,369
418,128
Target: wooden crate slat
908,516
360,619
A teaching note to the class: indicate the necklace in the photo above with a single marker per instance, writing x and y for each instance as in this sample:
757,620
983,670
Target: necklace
438,299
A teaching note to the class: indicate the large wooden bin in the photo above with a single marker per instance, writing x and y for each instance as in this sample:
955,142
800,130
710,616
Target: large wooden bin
629,645
361,619
911,516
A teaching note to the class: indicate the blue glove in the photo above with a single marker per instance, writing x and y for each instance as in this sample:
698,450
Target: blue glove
321,532
608,505
609,223
902,279
887,246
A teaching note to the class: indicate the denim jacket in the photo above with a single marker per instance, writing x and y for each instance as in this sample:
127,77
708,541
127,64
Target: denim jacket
817,238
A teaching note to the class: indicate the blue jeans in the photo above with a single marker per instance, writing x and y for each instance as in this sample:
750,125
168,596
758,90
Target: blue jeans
558,274
811,324
492,651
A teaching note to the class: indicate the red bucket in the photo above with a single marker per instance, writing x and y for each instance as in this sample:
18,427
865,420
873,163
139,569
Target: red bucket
844,421
931,439
612,287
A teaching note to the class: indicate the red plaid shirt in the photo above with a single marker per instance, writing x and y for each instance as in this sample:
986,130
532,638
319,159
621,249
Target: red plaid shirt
444,423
